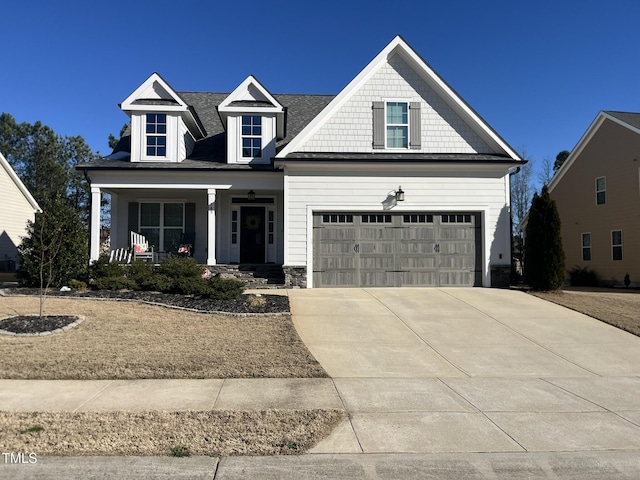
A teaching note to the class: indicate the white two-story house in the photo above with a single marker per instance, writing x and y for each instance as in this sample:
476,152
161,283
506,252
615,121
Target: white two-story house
395,181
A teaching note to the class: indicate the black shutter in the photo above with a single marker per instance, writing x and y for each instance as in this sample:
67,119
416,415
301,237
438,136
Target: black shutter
189,217
378,125
415,134
132,219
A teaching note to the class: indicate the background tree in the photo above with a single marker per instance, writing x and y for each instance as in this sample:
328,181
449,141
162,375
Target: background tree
113,141
521,192
46,162
546,171
544,255
560,159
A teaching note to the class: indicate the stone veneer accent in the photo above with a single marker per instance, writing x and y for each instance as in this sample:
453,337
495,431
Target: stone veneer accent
295,276
500,276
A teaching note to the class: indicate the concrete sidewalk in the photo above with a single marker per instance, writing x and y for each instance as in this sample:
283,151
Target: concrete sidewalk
507,466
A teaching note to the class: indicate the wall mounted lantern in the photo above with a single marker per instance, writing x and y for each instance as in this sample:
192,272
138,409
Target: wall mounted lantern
251,196
400,195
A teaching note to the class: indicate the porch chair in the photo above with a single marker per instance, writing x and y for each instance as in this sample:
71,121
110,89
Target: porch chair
120,255
141,248
185,249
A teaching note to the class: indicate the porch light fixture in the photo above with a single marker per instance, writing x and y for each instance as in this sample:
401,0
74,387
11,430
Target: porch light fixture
251,196
400,194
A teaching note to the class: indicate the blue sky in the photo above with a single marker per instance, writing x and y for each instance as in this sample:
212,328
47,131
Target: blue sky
537,72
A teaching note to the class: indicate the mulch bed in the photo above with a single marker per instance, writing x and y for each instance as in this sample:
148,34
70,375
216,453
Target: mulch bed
35,324
246,304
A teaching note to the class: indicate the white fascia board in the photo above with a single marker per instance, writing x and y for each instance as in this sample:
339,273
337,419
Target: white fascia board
398,45
251,110
580,146
161,186
14,177
393,167
127,104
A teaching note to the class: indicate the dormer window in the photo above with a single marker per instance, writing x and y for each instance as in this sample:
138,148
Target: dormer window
156,131
251,136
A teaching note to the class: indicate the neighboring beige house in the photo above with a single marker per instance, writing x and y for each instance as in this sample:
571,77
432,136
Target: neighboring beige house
16,207
597,192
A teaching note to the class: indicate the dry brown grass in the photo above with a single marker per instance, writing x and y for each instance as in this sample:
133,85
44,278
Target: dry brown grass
217,433
125,340
618,308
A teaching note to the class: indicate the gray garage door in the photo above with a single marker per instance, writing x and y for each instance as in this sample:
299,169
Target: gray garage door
396,249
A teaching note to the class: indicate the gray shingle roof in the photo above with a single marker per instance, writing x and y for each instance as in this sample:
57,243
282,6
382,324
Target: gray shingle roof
300,110
632,119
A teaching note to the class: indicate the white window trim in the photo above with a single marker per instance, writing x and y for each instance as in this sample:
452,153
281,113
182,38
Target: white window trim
407,101
582,246
621,245
242,137
170,137
598,191
161,227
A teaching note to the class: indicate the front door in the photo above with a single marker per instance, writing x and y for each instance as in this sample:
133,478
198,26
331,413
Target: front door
252,235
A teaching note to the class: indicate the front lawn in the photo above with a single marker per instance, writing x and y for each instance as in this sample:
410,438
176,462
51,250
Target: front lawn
130,340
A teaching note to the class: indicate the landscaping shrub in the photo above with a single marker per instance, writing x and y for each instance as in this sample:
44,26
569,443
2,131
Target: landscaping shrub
191,286
103,268
156,283
141,273
174,275
583,277
115,283
77,284
180,267
225,288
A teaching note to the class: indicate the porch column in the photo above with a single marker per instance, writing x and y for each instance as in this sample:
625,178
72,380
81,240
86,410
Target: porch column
94,233
211,226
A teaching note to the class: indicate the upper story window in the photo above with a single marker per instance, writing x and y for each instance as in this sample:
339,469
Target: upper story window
156,131
251,136
601,190
397,125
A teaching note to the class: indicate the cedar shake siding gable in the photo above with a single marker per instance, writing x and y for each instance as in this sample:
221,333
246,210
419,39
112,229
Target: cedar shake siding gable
359,124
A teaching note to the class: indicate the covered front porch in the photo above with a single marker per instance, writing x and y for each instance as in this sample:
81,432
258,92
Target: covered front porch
238,221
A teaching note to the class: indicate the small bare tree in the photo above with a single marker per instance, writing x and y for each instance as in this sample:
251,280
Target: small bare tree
48,251
545,174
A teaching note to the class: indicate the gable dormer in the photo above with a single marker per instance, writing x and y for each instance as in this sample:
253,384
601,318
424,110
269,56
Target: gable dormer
254,121
163,127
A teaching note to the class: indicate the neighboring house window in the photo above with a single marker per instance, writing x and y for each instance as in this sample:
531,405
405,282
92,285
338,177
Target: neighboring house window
586,247
156,135
162,224
601,191
397,125
251,136
616,244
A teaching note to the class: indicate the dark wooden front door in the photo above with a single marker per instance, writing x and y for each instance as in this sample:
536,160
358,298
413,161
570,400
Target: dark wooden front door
252,228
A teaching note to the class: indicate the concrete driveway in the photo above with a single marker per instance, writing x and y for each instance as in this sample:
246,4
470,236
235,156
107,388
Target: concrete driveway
471,370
